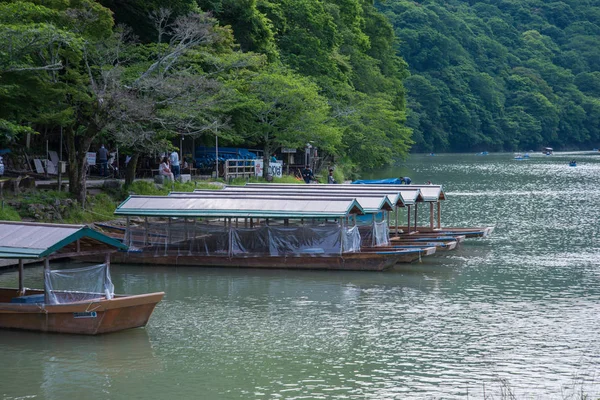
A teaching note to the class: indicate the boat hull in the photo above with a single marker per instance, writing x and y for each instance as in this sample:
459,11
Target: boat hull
86,318
474,232
376,261
420,251
439,246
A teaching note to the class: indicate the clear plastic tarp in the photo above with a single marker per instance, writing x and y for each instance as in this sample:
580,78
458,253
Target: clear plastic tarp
78,284
375,234
183,237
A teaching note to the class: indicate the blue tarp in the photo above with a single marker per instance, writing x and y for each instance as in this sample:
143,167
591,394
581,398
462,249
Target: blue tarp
4,151
205,156
389,181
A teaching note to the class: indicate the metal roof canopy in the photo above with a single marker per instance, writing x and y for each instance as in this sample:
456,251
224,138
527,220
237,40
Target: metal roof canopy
430,193
226,206
370,204
407,197
394,197
36,240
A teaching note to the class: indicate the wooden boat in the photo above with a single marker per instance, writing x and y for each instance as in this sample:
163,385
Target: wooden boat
419,251
439,246
88,317
74,300
371,261
427,237
474,232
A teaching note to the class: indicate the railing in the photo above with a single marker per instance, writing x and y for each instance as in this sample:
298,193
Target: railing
239,169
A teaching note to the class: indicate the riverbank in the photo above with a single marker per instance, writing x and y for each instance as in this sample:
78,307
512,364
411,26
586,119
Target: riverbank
44,203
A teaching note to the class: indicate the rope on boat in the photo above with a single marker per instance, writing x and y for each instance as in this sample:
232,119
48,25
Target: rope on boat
87,309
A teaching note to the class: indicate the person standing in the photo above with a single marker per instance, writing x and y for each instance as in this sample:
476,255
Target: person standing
103,160
174,158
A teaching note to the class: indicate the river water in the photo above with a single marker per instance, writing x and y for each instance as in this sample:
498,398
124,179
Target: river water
515,314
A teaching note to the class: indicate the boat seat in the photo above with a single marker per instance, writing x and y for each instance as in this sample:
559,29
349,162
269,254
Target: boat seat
30,299
315,250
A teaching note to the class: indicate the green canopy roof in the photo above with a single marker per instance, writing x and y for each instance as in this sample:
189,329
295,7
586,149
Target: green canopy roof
36,240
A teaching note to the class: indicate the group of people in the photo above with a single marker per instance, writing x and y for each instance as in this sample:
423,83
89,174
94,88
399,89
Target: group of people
308,175
170,167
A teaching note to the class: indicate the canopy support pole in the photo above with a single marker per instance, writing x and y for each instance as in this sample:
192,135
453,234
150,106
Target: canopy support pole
127,232
408,219
342,232
439,215
46,271
169,231
145,231
397,219
416,211
431,215
21,272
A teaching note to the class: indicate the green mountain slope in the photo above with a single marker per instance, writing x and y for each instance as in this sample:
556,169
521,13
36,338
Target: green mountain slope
500,75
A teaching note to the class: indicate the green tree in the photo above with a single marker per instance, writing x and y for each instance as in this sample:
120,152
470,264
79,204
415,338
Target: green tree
283,109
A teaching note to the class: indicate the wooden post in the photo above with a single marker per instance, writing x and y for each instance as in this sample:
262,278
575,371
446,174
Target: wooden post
439,215
431,215
127,232
46,270
145,231
78,244
342,233
169,232
21,272
416,211
107,263
408,218
397,212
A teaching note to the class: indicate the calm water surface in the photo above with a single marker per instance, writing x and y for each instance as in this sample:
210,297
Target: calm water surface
514,314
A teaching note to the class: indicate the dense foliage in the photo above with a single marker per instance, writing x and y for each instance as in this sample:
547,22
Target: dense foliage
266,73
500,74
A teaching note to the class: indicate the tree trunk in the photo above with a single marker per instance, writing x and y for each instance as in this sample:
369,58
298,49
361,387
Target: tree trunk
77,164
131,168
266,160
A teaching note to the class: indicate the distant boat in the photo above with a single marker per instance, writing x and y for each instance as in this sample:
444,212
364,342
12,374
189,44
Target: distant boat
526,155
547,151
483,153
519,157
573,164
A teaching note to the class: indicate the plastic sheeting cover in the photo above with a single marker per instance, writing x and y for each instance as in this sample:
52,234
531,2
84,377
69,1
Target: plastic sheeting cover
78,284
211,240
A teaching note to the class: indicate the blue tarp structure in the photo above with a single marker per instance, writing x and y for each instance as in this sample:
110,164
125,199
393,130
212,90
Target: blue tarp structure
4,151
389,181
205,156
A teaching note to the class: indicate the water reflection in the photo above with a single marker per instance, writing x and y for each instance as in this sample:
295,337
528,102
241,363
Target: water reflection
55,366
517,311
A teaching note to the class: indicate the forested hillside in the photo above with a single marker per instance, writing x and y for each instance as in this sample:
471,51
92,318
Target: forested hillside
500,74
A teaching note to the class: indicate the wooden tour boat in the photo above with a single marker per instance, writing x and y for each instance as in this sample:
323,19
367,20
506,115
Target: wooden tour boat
74,300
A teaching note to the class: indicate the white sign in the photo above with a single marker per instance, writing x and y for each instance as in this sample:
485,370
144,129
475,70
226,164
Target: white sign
91,158
275,168
288,150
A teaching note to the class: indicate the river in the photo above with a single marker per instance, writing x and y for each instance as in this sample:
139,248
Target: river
515,314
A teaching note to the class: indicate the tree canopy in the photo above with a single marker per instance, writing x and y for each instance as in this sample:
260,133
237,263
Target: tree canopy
499,75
